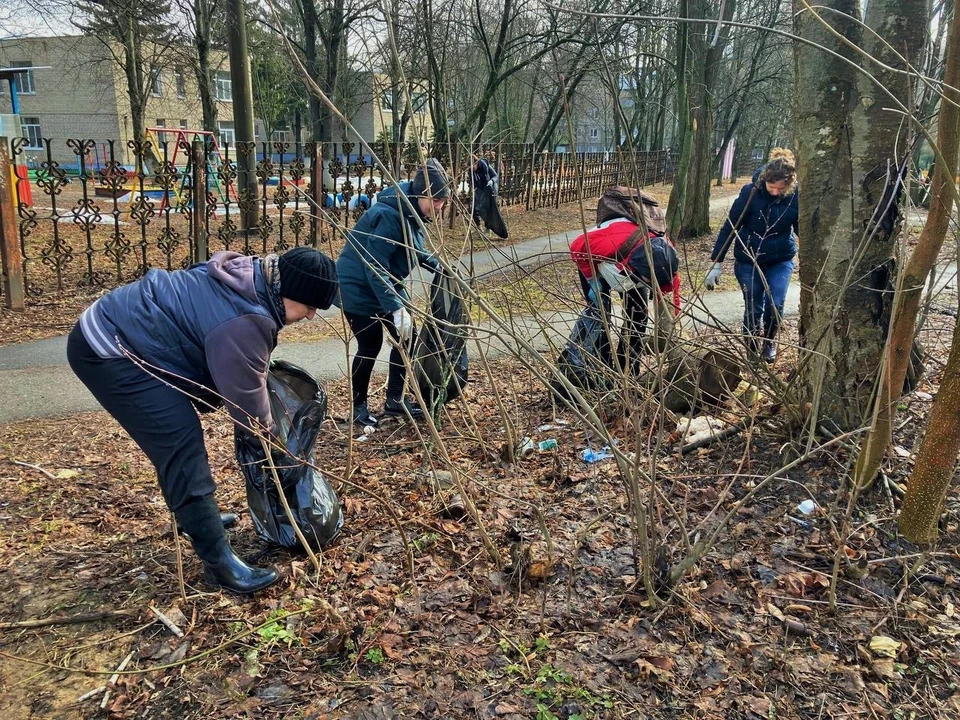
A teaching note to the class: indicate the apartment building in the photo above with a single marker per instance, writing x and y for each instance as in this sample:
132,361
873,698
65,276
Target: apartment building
78,91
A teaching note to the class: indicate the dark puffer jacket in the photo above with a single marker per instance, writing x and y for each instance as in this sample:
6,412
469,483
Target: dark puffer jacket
381,250
765,227
214,324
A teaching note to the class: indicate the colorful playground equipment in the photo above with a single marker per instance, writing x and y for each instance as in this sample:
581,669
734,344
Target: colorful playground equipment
183,138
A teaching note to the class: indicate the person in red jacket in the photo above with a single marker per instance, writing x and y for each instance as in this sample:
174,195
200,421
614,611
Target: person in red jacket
612,257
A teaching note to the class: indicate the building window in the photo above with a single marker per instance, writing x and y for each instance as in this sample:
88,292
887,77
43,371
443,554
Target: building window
156,84
419,101
183,124
594,113
161,123
386,101
282,136
30,127
594,133
222,86
181,83
227,133
24,81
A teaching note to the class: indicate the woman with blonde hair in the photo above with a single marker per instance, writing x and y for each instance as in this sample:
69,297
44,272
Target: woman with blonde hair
762,227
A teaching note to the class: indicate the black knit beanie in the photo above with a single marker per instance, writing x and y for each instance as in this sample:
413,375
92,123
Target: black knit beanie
309,277
439,186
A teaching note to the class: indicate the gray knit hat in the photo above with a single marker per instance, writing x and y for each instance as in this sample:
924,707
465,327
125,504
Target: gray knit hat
438,186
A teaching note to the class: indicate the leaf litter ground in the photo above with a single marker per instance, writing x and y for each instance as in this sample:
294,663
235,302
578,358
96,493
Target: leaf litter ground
746,634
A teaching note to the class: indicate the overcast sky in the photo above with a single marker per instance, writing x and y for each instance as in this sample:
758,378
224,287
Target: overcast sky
17,20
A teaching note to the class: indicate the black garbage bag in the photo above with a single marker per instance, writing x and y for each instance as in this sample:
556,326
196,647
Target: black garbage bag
485,207
299,406
440,363
585,360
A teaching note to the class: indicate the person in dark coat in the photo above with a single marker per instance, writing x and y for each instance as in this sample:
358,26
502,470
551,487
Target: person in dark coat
762,226
486,188
381,250
206,332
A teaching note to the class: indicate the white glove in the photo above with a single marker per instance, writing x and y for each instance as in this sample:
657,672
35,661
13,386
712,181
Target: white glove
713,277
404,324
616,279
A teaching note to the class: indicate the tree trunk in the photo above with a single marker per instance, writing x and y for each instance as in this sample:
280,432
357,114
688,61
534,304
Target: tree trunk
937,457
906,303
849,174
137,90
688,212
308,12
201,40
333,36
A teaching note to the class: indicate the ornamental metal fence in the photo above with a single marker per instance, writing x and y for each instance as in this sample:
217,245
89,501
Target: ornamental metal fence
115,210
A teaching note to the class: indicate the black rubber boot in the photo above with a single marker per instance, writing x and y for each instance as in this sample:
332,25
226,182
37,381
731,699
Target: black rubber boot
399,407
228,520
362,416
200,520
769,351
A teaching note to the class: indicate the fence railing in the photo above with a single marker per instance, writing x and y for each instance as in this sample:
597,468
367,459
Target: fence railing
100,220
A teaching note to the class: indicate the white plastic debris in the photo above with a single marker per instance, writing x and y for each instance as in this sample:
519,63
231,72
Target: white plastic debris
369,430
807,507
699,428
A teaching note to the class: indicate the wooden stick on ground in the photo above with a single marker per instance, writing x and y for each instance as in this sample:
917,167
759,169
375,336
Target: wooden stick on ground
171,626
92,693
35,467
113,679
66,620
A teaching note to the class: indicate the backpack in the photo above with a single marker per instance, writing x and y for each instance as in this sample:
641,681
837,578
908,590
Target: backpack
626,202
666,263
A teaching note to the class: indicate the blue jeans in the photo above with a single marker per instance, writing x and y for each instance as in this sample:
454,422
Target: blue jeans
763,305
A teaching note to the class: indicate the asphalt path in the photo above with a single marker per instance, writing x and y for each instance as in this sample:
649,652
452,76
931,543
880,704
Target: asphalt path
35,380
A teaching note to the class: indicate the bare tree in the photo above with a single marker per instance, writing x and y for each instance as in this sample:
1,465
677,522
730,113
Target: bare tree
852,149
137,36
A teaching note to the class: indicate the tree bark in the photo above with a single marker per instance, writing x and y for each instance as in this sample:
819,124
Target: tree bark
202,10
308,15
688,212
906,303
937,458
851,149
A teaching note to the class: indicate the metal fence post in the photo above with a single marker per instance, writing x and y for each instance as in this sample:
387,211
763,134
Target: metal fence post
199,180
316,190
10,258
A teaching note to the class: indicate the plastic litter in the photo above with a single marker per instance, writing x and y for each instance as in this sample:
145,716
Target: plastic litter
807,507
547,445
592,456
525,447
699,428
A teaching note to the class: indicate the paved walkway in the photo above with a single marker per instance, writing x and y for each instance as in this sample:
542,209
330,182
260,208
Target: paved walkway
35,380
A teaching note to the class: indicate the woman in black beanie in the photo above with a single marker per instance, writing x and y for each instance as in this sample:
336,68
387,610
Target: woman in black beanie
207,331
381,250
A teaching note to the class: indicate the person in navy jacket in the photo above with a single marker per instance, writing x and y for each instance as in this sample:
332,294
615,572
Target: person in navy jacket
207,331
381,250
761,227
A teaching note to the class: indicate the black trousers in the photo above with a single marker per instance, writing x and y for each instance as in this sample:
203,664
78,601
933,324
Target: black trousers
368,330
635,305
160,419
